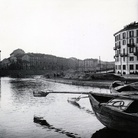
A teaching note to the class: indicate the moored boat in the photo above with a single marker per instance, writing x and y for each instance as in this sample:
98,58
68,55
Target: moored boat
116,112
121,87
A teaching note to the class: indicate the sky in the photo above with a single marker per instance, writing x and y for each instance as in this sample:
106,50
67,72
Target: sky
64,28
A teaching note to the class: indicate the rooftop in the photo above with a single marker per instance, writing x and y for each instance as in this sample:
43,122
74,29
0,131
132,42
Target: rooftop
130,26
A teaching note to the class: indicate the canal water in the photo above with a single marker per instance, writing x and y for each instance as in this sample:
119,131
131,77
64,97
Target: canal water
24,116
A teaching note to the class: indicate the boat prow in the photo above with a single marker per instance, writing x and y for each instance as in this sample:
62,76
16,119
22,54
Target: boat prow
116,112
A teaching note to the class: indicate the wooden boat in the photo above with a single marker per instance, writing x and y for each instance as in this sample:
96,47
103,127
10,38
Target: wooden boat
116,112
40,93
121,87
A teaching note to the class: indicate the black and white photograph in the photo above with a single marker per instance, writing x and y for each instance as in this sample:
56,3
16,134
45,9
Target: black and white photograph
68,68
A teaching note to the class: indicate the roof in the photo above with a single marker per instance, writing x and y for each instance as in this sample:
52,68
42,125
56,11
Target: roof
130,26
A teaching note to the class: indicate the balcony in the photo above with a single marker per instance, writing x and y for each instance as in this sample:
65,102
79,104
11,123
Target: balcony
131,45
117,47
136,53
124,55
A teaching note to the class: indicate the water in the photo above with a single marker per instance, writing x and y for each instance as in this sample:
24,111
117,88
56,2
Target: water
25,116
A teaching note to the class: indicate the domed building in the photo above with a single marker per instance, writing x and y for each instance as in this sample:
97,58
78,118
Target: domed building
126,50
17,52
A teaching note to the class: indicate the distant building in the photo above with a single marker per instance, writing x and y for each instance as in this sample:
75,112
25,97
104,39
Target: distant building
126,50
17,52
19,60
88,65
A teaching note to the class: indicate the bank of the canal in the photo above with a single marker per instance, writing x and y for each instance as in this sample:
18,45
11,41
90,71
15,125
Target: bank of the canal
101,80
94,83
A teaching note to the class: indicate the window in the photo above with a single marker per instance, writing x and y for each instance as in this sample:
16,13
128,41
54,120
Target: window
119,66
117,58
131,33
119,37
137,40
131,67
136,66
119,44
115,38
124,59
137,32
117,52
131,41
131,58
131,50
124,42
124,67
124,35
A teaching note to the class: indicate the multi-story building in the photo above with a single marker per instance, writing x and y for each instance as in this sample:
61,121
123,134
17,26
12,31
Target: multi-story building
126,50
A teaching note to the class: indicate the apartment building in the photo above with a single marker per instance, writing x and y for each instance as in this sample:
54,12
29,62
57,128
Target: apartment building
126,50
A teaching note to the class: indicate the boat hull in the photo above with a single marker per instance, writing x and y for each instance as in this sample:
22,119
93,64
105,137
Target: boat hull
114,119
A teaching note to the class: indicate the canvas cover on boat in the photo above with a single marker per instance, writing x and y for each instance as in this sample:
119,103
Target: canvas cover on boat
120,104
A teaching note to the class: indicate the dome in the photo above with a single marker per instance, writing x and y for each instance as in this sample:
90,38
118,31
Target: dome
17,52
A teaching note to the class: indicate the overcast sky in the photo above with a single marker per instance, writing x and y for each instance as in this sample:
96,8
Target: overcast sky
65,28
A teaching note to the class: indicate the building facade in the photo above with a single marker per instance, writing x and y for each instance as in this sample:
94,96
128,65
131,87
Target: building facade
126,50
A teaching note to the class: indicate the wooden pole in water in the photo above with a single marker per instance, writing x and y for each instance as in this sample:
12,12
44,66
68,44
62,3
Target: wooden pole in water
45,93
67,92
132,96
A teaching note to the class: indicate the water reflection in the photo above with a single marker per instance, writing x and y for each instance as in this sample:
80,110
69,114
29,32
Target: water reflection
76,104
41,121
18,106
108,133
